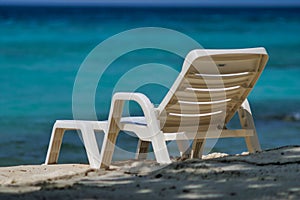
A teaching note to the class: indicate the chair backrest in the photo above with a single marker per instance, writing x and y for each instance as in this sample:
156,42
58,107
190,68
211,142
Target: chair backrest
210,88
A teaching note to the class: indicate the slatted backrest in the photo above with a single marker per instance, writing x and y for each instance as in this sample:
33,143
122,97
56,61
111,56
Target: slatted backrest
210,88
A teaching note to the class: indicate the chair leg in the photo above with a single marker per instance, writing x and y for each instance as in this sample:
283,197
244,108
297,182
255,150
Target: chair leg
247,122
160,149
112,133
142,150
197,148
91,146
184,149
108,146
54,146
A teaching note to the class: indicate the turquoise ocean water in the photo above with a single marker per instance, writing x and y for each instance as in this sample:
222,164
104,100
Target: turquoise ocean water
42,48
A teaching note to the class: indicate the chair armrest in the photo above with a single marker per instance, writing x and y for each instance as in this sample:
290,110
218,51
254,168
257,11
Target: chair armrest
140,98
143,101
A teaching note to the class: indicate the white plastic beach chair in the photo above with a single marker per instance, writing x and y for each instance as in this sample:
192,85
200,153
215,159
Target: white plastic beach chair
211,87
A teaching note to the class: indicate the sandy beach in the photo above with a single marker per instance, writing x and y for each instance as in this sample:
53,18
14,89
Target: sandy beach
271,174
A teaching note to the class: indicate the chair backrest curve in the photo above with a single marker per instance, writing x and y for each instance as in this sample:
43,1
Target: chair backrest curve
210,88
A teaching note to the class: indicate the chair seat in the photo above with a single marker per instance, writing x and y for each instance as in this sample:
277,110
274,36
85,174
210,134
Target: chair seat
134,120
80,124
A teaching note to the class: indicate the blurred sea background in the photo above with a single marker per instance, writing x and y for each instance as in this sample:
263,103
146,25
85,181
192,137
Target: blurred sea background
42,48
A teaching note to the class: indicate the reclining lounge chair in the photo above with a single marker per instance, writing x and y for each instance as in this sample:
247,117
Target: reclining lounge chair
212,86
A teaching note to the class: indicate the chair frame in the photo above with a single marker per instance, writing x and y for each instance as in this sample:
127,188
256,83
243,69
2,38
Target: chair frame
151,132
